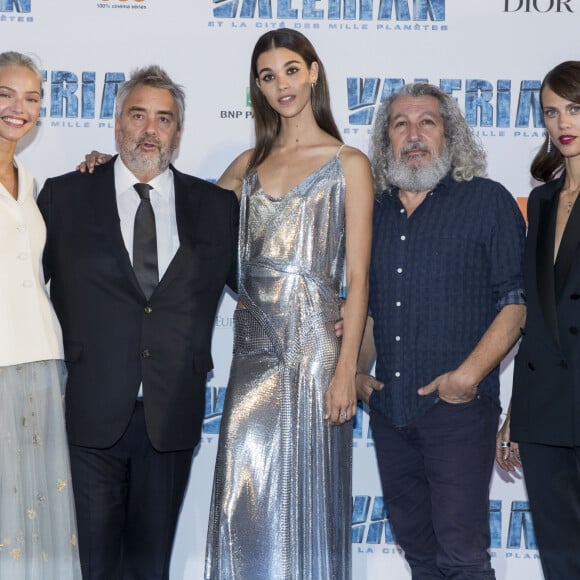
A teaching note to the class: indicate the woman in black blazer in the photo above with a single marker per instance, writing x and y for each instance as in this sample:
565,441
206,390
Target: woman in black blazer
544,415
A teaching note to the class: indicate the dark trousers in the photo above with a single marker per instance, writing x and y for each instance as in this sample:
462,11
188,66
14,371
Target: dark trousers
552,476
127,500
435,475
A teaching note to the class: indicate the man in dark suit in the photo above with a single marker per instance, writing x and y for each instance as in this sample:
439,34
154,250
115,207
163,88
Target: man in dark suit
136,280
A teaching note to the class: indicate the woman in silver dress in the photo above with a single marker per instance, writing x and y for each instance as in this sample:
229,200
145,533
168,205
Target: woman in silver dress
281,506
37,520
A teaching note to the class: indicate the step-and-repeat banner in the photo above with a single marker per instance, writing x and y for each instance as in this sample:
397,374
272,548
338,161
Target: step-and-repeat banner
489,54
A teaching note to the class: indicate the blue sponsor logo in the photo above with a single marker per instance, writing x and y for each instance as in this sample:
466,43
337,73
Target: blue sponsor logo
214,406
362,435
521,529
15,5
74,100
370,521
361,10
372,526
486,104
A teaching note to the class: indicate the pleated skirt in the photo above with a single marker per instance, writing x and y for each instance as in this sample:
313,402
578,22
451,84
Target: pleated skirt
37,520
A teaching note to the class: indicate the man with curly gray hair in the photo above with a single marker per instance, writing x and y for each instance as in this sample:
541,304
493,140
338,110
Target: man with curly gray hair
446,306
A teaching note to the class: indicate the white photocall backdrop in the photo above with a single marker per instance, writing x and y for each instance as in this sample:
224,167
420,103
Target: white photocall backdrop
490,54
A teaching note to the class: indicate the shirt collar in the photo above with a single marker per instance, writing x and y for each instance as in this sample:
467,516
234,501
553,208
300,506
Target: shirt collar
125,180
26,183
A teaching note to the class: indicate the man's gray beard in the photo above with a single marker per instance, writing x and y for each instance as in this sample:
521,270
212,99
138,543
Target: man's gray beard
423,178
137,163
151,165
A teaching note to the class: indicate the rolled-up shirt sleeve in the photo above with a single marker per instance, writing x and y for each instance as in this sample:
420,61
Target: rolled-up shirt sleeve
506,249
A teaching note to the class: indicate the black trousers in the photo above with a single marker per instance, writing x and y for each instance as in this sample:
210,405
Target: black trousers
552,476
127,500
435,476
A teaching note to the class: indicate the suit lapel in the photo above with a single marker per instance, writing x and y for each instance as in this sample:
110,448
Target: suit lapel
567,251
186,208
548,208
186,214
104,200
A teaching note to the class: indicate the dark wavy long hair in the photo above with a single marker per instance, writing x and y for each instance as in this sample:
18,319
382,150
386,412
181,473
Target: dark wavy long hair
266,120
564,80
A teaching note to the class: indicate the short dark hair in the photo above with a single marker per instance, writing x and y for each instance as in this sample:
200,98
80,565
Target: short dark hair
152,76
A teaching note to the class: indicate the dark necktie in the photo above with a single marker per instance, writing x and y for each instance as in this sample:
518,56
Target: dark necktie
145,243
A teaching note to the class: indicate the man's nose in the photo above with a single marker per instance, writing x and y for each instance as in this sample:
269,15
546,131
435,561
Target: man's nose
414,132
151,126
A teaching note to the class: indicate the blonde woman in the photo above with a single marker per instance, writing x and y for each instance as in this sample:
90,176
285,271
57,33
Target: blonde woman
37,522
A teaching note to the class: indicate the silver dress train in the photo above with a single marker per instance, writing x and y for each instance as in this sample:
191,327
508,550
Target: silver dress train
281,506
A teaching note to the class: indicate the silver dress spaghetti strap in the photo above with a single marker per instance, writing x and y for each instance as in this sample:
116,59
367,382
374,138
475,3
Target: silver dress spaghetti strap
281,505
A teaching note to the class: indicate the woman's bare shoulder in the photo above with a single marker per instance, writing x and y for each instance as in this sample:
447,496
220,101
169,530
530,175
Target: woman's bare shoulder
234,173
353,158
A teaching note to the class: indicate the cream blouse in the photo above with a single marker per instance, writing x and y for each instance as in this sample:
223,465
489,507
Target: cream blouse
29,329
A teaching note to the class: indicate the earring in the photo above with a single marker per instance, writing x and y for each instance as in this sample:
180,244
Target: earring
549,145
313,87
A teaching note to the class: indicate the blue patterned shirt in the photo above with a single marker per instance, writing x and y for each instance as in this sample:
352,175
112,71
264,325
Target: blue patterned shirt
438,279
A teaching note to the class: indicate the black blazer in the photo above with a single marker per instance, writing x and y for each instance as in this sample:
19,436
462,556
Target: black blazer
546,386
114,338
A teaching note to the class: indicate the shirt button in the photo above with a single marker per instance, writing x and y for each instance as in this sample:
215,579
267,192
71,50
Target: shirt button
398,304
402,210
397,374
145,353
23,256
403,238
148,309
397,338
27,283
399,270
21,227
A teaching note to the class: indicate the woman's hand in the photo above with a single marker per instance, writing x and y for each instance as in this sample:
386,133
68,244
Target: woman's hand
507,453
341,398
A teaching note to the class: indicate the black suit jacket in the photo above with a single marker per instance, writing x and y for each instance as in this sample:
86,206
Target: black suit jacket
546,388
114,337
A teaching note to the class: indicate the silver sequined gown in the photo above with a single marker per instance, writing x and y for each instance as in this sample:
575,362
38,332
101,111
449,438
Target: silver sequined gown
281,506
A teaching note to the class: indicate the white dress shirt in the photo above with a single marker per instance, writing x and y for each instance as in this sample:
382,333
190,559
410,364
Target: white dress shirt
162,198
163,202
29,329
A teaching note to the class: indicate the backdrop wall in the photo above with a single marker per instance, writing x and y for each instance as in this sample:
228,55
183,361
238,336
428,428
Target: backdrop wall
489,54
